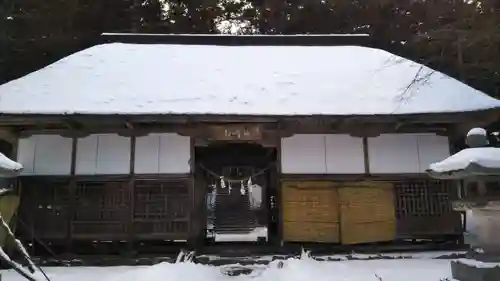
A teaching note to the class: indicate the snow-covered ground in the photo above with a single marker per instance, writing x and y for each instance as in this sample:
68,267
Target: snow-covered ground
421,269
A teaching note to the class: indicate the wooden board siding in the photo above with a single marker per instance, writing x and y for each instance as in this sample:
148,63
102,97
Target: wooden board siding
367,213
317,232
310,212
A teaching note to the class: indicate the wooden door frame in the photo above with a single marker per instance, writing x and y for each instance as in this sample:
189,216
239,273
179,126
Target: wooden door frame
272,182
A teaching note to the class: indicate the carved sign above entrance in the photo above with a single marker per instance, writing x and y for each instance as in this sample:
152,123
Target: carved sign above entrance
236,132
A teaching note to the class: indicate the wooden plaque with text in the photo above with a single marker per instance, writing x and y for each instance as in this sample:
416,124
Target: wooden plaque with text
235,132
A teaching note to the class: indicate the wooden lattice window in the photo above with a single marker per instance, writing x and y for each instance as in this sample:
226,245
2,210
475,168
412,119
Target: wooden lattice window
101,208
161,207
423,198
44,206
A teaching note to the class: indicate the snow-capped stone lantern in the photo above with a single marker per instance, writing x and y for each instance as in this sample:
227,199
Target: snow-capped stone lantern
477,169
477,137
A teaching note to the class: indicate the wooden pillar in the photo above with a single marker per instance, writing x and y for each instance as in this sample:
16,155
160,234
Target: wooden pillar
15,144
366,156
71,196
17,180
273,228
278,200
131,186
198,215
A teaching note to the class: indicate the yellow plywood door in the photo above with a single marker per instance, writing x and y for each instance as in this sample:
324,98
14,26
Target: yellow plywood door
367,213
310,212
8,207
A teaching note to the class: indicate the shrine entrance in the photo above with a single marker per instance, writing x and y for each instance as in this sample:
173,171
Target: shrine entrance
240,191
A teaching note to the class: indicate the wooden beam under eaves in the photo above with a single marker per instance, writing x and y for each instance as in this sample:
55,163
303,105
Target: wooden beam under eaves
72,124
8,135
129,125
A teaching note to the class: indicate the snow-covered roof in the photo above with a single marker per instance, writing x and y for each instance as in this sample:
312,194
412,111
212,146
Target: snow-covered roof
468,162
119,78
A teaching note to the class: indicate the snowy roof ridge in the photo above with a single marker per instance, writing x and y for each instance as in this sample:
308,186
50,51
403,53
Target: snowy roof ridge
163,79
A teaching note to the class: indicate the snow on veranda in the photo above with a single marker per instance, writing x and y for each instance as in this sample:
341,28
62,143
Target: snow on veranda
120,78
293,270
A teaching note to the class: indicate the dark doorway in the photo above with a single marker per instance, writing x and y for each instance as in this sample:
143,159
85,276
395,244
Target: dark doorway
240,188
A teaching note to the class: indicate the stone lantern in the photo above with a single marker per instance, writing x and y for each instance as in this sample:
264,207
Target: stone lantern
477,172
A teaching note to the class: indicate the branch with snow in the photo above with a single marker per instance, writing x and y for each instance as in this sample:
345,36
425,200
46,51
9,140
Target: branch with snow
31,273
8,166
421,77
17,267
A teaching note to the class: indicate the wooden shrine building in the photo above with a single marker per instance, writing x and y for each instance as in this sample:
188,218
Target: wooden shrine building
277,139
